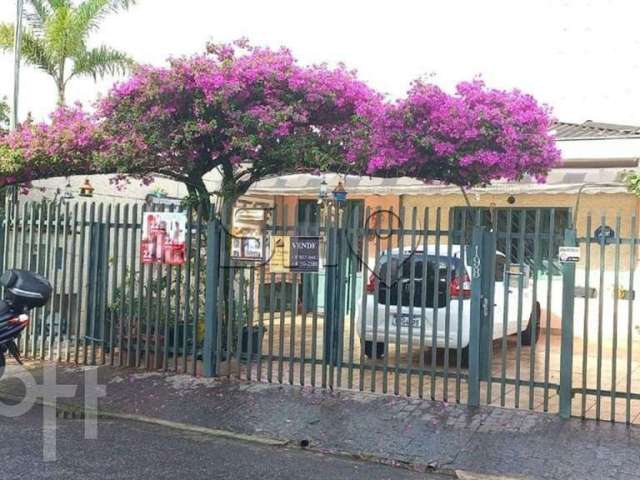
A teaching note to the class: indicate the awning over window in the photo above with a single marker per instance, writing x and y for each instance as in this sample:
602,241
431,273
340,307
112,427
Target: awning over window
565,180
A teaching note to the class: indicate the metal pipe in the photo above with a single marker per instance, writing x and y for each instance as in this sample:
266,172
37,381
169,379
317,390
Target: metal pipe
579,194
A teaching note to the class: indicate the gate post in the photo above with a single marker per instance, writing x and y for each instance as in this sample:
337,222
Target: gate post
487,274
482,259
333,289
211,298
329,294
566,342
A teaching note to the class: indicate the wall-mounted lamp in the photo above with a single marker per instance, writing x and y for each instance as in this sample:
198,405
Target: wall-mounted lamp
340,194
86,190
68,194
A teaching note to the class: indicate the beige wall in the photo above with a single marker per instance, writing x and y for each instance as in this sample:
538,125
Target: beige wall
594,205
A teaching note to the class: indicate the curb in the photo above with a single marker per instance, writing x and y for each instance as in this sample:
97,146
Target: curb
464,475
73,411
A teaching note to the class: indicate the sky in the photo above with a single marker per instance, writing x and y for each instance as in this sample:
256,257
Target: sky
580,57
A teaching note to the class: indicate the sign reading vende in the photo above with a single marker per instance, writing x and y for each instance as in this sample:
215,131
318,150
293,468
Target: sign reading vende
294,254
305,254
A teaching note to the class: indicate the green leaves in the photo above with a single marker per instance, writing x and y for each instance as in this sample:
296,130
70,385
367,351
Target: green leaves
6,37
4,114
632,179
102,61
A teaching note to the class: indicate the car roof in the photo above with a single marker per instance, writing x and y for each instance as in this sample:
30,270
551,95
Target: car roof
432,250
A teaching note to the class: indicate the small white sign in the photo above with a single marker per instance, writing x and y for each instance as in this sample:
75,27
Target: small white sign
569,254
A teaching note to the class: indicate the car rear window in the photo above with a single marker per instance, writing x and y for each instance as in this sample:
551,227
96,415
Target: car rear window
396,279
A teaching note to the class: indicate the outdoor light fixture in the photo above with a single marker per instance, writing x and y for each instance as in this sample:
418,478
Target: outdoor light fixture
86,190
340,194
68,194
323,189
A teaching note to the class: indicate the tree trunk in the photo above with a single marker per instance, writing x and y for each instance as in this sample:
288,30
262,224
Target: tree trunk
61,93
226,218
199,194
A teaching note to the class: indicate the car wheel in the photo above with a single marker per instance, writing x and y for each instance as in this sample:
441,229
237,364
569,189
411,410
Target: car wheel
368,349
528,336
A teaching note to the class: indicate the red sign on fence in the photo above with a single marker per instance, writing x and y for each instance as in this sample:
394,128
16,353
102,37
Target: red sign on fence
163,238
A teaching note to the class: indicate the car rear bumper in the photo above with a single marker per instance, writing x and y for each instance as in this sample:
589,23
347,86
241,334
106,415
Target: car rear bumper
431,326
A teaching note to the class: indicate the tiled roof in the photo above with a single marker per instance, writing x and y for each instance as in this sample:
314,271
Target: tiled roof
590,129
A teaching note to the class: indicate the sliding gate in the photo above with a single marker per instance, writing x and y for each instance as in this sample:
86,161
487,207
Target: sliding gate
456,308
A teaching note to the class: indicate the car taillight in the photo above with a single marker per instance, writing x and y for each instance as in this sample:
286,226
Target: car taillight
460,287
371,285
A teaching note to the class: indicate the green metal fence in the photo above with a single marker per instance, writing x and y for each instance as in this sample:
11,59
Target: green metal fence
107,306
467,305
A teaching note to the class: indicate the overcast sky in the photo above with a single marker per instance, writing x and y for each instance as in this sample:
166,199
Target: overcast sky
581,57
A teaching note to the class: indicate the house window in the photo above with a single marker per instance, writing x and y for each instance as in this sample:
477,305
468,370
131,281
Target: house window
551,224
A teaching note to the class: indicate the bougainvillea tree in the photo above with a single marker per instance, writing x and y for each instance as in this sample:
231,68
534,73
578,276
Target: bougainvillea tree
70,144
467,139
249,114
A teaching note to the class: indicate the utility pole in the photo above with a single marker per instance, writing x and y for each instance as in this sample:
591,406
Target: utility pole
17,41
17,44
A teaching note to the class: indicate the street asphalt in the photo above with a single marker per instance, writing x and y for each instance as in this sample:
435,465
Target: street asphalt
134,450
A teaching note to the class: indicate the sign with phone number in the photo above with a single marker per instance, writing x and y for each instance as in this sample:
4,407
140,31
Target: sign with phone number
299,254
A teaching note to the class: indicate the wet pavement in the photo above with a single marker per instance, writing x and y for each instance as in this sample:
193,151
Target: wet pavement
426,434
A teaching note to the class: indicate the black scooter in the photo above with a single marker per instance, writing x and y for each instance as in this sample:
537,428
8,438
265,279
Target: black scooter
23,291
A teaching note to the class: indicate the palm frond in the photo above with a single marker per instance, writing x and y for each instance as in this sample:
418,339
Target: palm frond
36,13
90,13
60,34
56,4
34,49
6,36
101,61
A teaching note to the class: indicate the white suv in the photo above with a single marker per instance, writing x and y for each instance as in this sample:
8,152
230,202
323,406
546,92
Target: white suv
414,309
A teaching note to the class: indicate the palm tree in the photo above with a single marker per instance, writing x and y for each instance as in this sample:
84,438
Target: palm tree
55,40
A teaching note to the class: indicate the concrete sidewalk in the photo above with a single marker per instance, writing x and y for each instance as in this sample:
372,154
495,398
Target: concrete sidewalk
416,433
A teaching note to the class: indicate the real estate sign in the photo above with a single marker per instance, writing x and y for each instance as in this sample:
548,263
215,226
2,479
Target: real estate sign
294,254
305,254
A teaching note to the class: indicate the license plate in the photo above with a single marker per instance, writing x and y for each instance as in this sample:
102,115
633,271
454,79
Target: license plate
405,320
